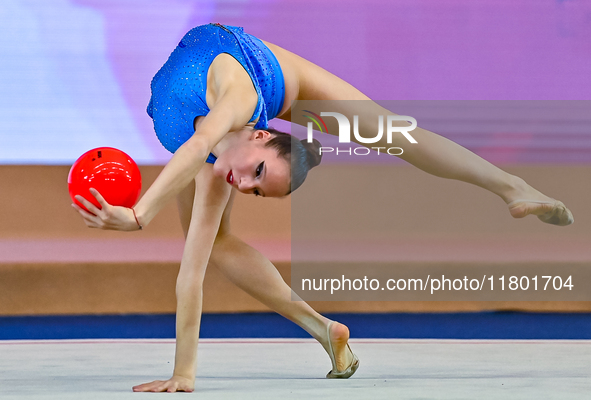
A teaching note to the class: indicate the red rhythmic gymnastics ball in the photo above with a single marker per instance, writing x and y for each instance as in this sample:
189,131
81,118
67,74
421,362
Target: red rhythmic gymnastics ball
110,171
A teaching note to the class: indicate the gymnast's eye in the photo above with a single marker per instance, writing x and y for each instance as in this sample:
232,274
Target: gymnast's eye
259,169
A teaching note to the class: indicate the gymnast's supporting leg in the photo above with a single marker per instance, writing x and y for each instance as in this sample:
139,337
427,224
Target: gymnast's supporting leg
256,275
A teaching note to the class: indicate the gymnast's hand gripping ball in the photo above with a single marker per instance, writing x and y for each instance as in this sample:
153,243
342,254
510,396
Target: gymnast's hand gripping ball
110,171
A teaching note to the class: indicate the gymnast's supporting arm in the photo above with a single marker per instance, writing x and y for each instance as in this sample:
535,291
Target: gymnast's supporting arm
208,207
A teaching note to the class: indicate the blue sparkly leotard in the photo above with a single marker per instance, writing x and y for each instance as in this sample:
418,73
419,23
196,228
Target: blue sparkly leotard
179,87
211,158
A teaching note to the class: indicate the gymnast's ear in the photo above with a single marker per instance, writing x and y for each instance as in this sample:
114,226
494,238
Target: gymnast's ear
261,134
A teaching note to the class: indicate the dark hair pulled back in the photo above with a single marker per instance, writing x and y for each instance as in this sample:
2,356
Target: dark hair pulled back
302,155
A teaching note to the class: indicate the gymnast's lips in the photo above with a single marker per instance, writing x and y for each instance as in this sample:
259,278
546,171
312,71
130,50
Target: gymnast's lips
230,177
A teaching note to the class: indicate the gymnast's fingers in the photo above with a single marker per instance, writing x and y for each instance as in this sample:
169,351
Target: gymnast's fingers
147,387
89,206
101,200
89,218
173,387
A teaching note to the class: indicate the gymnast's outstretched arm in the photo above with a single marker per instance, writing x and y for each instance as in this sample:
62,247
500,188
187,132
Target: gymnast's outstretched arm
231,112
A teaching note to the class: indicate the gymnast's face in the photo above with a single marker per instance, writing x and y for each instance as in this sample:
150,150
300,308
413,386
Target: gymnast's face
252,168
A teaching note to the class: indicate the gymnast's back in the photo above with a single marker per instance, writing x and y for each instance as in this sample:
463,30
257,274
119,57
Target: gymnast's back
179,87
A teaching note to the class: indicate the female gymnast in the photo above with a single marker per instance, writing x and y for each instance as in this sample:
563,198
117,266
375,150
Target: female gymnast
211,102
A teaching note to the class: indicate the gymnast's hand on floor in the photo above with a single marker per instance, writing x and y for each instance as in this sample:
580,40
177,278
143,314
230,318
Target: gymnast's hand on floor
108,217
174,384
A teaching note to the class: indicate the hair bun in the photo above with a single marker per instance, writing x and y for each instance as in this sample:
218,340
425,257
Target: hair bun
314,156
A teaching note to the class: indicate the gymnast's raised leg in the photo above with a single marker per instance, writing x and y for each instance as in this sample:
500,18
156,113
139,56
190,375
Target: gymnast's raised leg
432,153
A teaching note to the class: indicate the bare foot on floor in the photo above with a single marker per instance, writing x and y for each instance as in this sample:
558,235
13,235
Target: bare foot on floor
343,356
527,200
